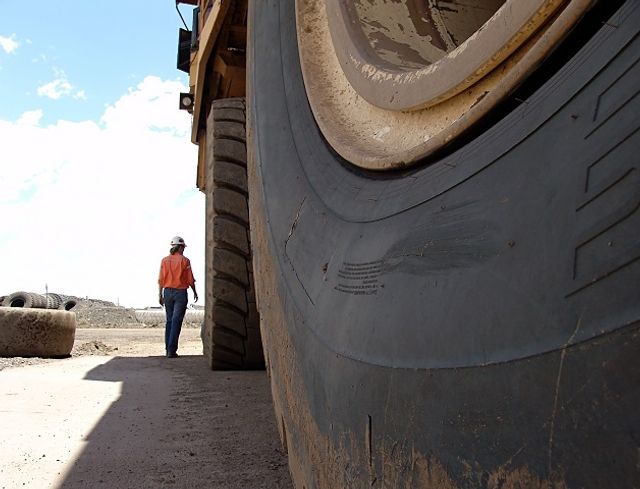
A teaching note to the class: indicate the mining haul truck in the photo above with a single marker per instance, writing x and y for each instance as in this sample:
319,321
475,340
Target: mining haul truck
439,205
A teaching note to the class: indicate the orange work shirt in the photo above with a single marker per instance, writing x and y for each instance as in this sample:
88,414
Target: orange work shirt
175,272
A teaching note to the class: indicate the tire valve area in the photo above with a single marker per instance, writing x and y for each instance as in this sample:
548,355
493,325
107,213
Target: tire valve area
360,278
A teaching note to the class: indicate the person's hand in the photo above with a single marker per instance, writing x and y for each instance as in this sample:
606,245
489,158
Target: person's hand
161,300
195,297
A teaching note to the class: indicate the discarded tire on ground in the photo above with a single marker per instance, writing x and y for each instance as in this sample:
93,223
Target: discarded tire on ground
231,336
473,322
53,300
25,299
28,332
67,304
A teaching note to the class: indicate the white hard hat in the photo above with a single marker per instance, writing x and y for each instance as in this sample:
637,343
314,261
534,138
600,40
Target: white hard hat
177,240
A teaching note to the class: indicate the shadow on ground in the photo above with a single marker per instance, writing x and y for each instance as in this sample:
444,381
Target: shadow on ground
179,425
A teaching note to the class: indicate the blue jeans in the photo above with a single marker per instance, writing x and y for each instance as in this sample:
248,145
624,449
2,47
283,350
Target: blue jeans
175,303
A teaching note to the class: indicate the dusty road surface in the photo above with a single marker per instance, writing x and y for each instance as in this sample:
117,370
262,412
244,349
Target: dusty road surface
118,414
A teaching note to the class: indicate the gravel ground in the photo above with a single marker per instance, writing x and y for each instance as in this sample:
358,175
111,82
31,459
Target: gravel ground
161,423
134,341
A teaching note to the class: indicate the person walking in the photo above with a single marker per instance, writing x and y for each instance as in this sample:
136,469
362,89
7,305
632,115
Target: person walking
175,278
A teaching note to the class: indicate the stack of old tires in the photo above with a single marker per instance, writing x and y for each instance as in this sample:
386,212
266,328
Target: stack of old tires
39,301
36,325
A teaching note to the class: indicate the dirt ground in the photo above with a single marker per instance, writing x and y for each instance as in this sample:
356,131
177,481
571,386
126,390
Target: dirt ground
117,413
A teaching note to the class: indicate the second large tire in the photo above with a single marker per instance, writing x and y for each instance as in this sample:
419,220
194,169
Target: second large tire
231,334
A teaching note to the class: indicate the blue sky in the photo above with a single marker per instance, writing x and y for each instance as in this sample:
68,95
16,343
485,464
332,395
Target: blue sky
100,48
97,171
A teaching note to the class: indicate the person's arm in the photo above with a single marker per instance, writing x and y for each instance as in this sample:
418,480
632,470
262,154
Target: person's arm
191,279
160,297
195,294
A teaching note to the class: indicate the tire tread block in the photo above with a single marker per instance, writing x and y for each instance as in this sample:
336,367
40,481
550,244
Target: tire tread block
229,130
230,293
230,114
230,319
230,232
229,103
231,264
230,175
231,203
221,338
230,150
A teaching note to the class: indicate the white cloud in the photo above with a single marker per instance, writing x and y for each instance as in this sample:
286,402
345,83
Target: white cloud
30,118
55,89
89,208
60,87
9,44
152,104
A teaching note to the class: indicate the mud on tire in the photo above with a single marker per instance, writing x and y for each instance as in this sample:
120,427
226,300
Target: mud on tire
231,334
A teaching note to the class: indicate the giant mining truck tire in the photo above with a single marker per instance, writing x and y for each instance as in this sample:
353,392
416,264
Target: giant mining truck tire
472,321
231,331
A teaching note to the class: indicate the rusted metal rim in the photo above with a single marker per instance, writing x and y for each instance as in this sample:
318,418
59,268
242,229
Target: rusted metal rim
390,82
